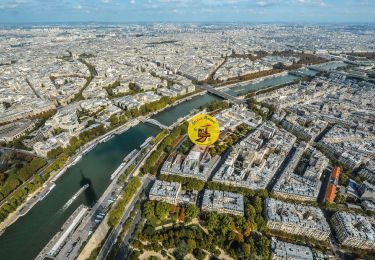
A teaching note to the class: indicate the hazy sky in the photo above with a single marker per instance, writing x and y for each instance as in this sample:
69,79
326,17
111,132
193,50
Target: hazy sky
321,11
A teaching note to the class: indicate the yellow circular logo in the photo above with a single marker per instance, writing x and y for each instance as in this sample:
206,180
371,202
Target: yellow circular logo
203,130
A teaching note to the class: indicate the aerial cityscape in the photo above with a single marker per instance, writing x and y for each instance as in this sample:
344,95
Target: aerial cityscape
96,156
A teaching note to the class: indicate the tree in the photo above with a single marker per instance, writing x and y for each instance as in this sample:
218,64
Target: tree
199,254
3,177
239,237
191,245
181,251
279,66
258,205
226,224
240,222
246,248
344,179
114,120
181,216
248,227
149,209
162,210
191,211
263,247
213,221
54,153
172,208
250,212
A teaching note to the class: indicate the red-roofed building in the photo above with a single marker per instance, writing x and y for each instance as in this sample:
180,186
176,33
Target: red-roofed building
333,181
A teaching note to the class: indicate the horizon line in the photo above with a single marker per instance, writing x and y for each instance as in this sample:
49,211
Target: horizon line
187,22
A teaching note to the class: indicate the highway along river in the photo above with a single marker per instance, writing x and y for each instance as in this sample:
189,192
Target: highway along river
30,233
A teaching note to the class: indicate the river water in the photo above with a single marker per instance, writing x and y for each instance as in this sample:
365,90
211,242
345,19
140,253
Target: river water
26,238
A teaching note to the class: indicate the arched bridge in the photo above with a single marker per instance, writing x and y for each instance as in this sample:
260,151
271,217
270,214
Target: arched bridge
155,123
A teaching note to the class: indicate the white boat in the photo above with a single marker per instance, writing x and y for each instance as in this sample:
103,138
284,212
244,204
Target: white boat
105,139
89,149
118,170
130,155
146,142
75,196
76,160
45,193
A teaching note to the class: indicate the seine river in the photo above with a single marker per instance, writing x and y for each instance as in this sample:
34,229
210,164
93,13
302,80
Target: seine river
26,238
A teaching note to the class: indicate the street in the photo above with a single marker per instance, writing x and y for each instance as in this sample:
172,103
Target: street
123,251
111,239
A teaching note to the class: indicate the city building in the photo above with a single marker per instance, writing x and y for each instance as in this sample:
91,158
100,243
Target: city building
333,182
12,131
286,251
165,191
296,219
223,202
197,164
354,230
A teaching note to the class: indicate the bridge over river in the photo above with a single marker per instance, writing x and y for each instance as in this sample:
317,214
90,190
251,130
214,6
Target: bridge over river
221,94
155,122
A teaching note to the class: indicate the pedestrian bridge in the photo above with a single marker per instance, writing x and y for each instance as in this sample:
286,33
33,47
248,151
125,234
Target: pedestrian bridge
155,123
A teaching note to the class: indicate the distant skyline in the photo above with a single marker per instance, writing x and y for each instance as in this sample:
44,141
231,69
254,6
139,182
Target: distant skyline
289,11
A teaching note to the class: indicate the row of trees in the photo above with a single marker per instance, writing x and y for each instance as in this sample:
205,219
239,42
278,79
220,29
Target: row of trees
251,76
61,155
93,73
166,146
11,180
15,179
246,192
215,105
118,210
253,93
145,109
304,58
19,196
124,231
